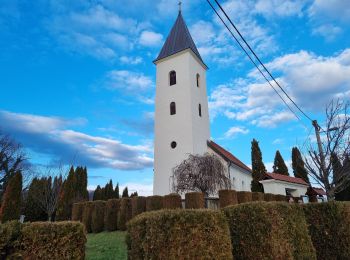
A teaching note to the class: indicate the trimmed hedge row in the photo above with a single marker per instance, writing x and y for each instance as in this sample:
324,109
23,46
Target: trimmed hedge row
244,196
87,215
227,198
154,203
257,196
172,201
138,205
261,230
98,216
179,234
77,211
125,213
329,227
42,240
194,200
111,214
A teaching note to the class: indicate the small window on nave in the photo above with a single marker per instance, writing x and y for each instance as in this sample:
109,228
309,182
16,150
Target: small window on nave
172,77
200,110
198,80
172,108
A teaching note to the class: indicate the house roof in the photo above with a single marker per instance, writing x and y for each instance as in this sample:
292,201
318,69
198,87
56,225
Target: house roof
281,177
227,155
316,191
179,39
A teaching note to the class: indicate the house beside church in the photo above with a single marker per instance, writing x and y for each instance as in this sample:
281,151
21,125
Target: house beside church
181,112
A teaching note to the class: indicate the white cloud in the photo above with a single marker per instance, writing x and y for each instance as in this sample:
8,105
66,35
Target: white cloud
278,141
328,31
271,8
235,130
130,60
150,39
336,10
142,189
128,80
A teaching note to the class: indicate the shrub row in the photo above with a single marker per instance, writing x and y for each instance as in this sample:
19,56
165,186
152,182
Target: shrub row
172,201
111,214
194,200
42,240
179,234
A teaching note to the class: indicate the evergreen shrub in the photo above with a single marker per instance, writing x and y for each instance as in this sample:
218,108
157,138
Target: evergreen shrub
111,214
98,216
125,213
77,211
194,200
87,214
154,203
172,201
244,196
257,196
329,227
138,205
179,234
227,198
273,230
269,197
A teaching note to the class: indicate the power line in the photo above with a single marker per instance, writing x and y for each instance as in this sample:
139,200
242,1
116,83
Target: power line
241,36
251,59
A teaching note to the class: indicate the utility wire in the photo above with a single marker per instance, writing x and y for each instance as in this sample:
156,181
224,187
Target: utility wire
260,60
251,59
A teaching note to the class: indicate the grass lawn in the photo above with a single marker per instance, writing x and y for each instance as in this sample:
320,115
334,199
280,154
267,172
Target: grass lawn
106,245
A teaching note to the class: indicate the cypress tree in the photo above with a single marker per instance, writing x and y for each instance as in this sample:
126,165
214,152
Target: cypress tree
11,204
116,191
97,193
109,190
134,194
258,167
298,165
338,169
32,210
125,193
279,165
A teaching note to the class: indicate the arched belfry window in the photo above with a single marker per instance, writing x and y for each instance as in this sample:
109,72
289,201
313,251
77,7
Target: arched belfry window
172,77
198,80
199,109
172,108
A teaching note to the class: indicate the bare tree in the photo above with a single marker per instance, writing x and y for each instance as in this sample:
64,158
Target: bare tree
335,143
204,173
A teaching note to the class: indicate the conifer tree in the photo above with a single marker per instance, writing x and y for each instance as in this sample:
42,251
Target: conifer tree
32,210
258,167
134,194
116,191
97,193
11,204
109,190
298,165
338,169
279,165
125,193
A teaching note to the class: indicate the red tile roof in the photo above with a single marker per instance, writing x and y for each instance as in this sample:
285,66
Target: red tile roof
316,191
227,155
281,177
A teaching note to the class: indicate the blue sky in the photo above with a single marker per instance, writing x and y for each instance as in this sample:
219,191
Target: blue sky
77,82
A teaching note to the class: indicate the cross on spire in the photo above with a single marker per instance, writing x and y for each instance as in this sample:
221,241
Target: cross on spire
180,6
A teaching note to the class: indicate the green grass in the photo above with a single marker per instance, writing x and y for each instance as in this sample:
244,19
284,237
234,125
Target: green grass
106,245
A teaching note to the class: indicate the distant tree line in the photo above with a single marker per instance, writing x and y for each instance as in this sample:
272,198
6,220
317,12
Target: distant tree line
107,192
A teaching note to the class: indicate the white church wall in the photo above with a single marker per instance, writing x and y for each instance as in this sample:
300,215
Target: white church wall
241,179
279,187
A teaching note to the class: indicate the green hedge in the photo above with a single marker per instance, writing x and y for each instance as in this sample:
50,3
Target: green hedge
269,197
42,240
98,216
194,200
138,205
172,201
179,234
273,230
257,196
111,214
280,197
125,213
227,198
154,203
87,213
77,211
244,196
329,227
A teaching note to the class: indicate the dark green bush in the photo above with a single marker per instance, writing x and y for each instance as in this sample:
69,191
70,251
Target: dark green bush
244,196
111,214
227,198
87,214
280,197
274,230
138,205
47,240
9,238
98,216
154,203
269,197
77,211
125,213
179,234
329,227
172,201
194,200
257,196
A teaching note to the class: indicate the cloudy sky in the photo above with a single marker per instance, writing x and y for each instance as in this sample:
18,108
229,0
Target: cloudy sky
77,82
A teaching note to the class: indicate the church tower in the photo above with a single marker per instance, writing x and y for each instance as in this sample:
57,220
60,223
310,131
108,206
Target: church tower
181,105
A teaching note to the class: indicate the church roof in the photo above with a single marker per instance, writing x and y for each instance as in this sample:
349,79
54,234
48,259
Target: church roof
179,39
227,155
281,177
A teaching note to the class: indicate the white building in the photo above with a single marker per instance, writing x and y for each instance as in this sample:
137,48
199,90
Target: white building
181,112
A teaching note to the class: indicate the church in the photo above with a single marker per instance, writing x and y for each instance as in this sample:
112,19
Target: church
182,115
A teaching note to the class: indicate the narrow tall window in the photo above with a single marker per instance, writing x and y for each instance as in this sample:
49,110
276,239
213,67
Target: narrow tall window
198,79
200,110
172,108
172,77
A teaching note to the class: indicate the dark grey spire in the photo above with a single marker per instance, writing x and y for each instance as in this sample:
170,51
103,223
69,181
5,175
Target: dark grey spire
179,39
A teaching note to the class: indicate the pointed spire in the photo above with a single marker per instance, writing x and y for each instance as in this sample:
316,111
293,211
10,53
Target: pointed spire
179,39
